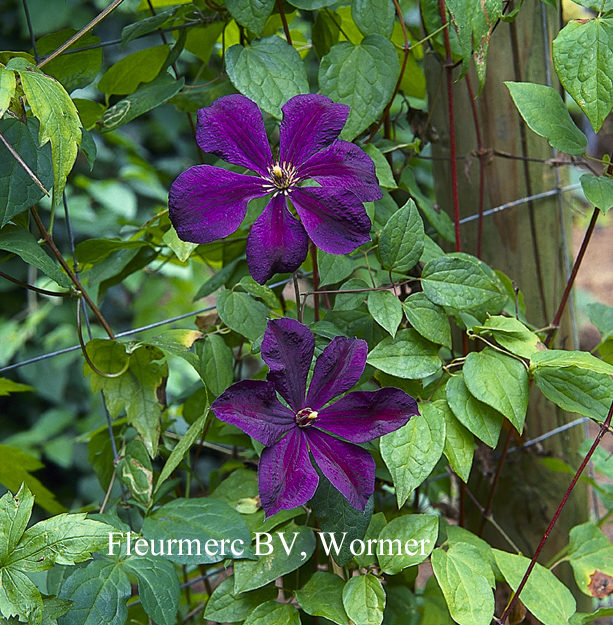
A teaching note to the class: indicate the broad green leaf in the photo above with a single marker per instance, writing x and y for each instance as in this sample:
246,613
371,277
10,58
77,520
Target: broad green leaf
90,112
182,249
351,301
362,76
590,552
401,607
181,449
460,573
240,484
274,559
144,27
241,313
322,595
135,389
457,534
20,597
373,17
142,100
340,523
500,381
19,241
546,114
561,358
7,88
92,251
251,13
583,60
428,319
269,71
14,516
99,591
9,386
75,70
135,472
401,243
127,74
178,343
411,452
15,471
544,595
408,355
598,191
200,40
386,310
59,123
484,422
510,334
158,587
577,390
406,541
382,167
201,96
462,282
369,557
325,33
364,600
226,606
260,291
333,268
204,528
599,6
602,317
17,189
311,5
273,613
459,442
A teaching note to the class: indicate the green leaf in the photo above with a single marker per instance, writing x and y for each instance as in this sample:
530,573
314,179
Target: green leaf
351,301
92,251
144,27
136,388
251,13
178,343
510,334
269,71
457,534
260,291
598,191
386,310
226,606
194,522
428,319
462,282
577,390
411,537
14,516
181,449
322,595
325,33
75,70
411,452
382,167
339,522
362,76
590,552
368,558
216,363
562,358
242,313
408,355
484,422
274,559
401,607
182,249
7,88
273,613
100,592
602,317
19,241
20,597
460,573
142,100
158,587
135,472
59,123
333,268
603,6
89,113
201,96
127,74
364,600
9,386
499,381
17,189
459,442
373,17
401,243
544,595
583,60
546,114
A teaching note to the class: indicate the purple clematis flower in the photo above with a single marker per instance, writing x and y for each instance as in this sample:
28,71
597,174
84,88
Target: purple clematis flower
286,476
208,203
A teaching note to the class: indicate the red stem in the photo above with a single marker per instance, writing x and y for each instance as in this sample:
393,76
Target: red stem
603,430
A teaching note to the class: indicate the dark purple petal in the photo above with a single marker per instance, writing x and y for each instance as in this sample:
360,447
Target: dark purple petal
277,243
252,406
232,128
350,468
287,349
361,416
310,123
286,477
337,369
344,165
335,219
207,203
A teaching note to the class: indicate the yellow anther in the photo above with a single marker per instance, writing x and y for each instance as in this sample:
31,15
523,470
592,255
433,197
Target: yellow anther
277,171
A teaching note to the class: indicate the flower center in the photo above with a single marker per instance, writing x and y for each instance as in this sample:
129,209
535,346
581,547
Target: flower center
305,417
281,178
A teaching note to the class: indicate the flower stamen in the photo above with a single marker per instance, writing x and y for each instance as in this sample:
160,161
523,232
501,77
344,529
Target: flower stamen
305,417
283,176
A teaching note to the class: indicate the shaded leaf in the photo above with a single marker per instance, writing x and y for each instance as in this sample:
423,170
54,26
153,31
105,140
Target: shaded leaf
322,595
